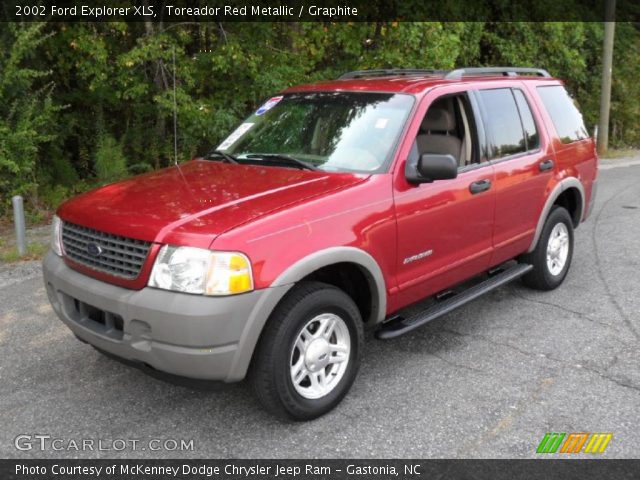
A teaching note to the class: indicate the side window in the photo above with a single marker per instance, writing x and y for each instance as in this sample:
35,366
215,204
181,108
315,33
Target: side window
563,112
528,123
503,121
449,128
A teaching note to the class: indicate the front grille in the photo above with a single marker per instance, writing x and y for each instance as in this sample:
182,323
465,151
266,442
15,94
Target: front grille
119,256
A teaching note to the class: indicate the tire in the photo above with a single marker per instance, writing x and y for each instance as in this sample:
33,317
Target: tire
294,325
547,274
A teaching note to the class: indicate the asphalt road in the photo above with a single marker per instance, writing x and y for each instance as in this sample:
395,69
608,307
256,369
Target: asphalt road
488,380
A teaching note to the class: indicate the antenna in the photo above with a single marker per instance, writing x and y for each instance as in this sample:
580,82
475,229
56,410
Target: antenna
175,111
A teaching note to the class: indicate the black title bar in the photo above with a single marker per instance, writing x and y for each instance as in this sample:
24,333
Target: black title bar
312,10
543,469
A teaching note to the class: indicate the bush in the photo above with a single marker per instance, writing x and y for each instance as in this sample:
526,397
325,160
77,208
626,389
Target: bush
63,173
27,115
52,196
110,163
138,168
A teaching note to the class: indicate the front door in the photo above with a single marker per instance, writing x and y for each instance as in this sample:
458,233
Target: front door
444,227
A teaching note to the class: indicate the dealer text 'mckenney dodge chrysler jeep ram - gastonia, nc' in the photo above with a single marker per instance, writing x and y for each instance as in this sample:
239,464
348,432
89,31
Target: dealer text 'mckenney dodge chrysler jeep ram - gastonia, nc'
334,206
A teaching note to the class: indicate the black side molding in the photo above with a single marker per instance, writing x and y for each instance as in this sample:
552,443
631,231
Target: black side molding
400,326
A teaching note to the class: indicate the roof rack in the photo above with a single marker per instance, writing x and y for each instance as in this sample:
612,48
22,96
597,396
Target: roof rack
506,71
391,71
448,74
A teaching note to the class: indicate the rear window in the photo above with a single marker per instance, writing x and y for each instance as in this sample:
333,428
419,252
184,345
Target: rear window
564,113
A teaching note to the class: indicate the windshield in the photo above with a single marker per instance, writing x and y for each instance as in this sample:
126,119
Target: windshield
331,131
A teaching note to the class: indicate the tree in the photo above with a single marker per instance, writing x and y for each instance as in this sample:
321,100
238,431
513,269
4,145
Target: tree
28,113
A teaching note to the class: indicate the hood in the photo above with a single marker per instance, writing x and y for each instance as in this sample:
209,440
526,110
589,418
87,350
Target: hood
194,202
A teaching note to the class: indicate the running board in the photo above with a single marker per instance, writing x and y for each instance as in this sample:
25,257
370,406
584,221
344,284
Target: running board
401,325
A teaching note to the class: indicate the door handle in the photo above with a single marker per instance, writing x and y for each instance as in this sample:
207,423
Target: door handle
480,186
546,165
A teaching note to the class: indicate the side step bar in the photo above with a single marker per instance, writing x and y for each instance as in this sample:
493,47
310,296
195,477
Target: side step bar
398,327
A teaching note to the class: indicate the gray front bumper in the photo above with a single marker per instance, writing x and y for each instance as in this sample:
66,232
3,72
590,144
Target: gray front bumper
188,335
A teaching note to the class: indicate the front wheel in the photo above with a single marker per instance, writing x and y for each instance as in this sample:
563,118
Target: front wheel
551,258
309,353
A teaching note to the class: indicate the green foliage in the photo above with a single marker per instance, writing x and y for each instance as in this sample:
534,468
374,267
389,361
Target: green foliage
62,171
27,115
625,96
110,163
54,195
69,90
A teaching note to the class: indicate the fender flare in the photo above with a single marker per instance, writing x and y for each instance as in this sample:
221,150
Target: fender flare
333,255
272,295
562,186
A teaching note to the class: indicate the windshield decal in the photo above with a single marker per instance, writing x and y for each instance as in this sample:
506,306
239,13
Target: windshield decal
381,123
269,104
237,133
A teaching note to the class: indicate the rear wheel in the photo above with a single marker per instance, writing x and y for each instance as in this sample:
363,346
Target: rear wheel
551,258
309,353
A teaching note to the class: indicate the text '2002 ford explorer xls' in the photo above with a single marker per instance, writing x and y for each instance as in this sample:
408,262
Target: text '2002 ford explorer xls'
334,206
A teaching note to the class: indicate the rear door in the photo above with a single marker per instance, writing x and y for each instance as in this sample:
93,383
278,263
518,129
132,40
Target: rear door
524,166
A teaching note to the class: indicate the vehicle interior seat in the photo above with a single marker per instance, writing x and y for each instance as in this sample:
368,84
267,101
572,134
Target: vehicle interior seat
438,125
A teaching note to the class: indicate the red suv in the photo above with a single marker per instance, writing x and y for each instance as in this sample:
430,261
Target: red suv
336,205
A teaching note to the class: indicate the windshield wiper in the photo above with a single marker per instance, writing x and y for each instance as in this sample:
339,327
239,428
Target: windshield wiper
225,156
284,159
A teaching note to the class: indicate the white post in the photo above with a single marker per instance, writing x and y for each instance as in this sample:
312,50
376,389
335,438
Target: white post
18,220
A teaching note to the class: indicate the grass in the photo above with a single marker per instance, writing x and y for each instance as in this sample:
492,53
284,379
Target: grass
621,153
35,251
37,234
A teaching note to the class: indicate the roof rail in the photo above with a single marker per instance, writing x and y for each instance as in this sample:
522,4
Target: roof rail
391,71
448,74
506,71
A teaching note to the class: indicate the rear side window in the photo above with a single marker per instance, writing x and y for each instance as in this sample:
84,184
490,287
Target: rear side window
503,120
563,112
528,123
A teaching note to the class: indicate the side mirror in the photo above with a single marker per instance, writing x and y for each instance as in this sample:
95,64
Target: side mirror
433,166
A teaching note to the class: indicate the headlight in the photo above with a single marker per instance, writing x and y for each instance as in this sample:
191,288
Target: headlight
196,270
56,236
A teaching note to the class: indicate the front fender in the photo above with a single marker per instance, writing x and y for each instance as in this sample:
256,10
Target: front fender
333,255
285,281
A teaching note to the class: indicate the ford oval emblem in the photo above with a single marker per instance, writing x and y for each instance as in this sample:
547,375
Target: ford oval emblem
94,249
